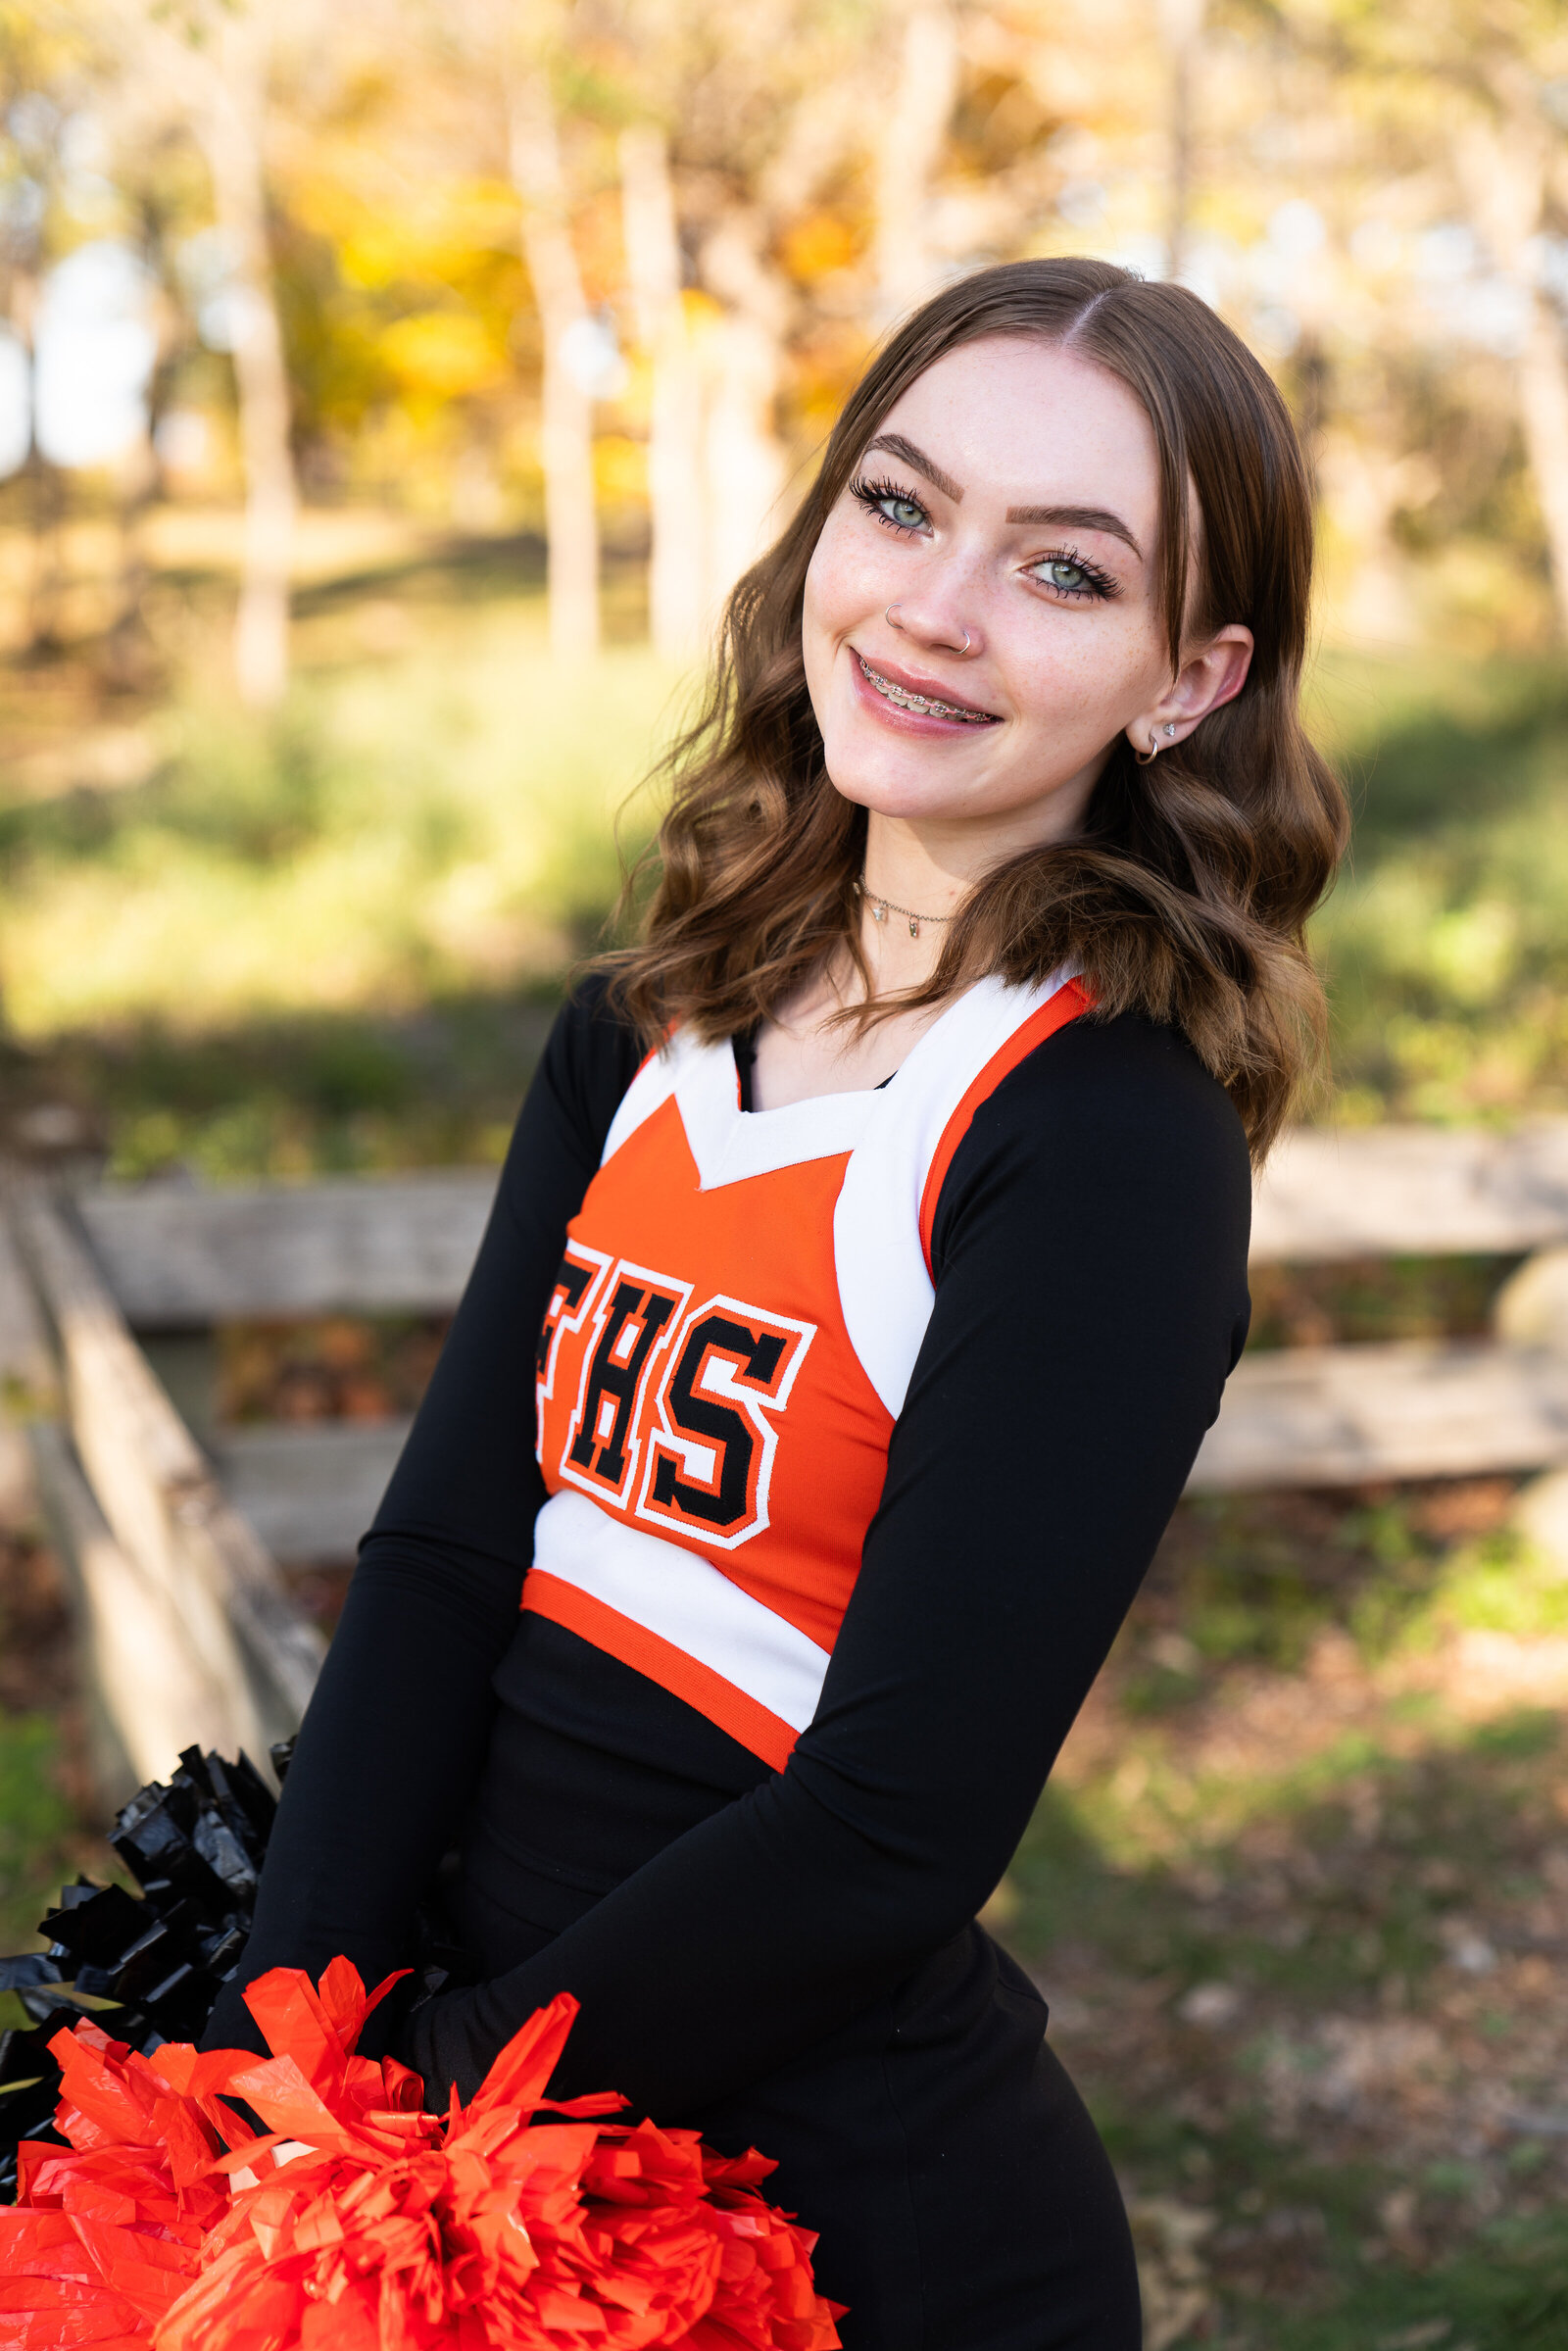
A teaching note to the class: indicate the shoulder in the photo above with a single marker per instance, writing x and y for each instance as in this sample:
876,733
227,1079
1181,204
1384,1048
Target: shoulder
1117,1117
593,1054
590,1058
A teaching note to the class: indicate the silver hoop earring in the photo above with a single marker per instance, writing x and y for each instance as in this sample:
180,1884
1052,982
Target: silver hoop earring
1147,759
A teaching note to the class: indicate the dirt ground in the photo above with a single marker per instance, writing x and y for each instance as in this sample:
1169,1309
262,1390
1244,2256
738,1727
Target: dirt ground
1299,1898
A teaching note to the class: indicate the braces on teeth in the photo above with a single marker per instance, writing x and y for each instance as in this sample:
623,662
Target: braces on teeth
920,702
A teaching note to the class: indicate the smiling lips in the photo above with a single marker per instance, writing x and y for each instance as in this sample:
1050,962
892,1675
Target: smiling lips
903,697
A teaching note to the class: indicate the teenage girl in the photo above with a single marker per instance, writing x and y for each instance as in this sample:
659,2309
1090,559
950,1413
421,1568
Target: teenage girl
866,1267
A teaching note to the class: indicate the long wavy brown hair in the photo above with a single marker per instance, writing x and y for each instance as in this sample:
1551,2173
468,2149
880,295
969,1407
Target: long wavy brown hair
1185,896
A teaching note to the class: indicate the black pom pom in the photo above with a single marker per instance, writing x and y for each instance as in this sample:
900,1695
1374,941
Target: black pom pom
148,1969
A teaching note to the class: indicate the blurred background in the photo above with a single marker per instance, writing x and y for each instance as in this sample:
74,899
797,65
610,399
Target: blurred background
388,395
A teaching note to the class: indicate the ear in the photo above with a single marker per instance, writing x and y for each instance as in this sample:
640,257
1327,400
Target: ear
1210,675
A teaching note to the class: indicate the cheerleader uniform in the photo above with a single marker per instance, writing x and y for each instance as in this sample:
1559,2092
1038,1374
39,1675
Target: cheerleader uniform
780,1489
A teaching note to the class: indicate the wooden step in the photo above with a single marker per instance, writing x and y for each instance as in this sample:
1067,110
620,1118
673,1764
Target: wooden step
1348,1415
1306,1416
309,1489
179,1257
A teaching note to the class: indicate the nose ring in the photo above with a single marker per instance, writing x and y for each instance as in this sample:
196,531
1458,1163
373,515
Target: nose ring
897,625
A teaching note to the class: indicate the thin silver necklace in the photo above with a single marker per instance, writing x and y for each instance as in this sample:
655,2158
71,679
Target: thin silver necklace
882,908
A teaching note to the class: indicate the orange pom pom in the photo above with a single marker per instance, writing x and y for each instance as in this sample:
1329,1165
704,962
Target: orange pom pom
356,2222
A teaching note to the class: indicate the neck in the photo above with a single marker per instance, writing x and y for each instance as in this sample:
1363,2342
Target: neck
910,892
908,903
910,868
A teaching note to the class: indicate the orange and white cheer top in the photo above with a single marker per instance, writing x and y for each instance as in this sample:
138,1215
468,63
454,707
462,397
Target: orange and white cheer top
727,1346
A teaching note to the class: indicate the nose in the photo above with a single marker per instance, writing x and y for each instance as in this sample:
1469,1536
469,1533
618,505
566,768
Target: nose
930,619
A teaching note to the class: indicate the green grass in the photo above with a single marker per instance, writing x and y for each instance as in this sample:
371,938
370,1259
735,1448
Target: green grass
388,839
1508,2295
1283,1801
327,939
1323,1893
1445,944
333,1092
1252,1581
332,939
36,1826
1119,1868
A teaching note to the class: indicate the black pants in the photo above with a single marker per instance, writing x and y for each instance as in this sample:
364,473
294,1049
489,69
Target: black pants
960,2194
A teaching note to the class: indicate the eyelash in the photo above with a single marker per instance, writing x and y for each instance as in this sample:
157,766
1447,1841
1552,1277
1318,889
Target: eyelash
1101,587
875,496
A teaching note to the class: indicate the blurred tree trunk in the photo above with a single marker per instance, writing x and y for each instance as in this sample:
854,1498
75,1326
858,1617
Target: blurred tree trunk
1505,163
742,461
126,661
676,582
1543,414
46,576
210,62
129,659
908,144
1182,26
232,140
571,522
46,491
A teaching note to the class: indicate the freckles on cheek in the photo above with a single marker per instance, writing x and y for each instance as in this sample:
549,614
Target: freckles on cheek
844,583
1072,686
1098,677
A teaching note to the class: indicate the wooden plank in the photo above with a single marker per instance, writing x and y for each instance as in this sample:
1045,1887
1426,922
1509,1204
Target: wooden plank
26,1368
1306,1416
1348,1415
146,1698
180,1258
19,1497
256,1654
310,1491
1412,1191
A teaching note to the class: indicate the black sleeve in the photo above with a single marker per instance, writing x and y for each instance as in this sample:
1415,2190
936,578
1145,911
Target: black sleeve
395,1731
1090,1260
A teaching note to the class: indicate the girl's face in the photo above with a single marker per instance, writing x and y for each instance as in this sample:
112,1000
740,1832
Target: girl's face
981,618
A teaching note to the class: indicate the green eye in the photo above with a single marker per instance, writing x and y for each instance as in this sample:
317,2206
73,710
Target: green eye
891,507
1070,575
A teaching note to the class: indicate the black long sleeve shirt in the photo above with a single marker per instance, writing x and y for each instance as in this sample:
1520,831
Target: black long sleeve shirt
715,1918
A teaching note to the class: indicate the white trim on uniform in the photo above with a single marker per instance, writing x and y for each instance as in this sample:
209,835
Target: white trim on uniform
685,1600
891,1133
884,1287
652,1085
730,1144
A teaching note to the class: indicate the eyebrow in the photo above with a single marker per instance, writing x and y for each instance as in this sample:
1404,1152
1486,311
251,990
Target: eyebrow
896,445
1066,517
1077,517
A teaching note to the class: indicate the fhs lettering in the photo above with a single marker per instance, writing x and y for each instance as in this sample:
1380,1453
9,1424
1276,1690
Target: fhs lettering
635,1311
675,1420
